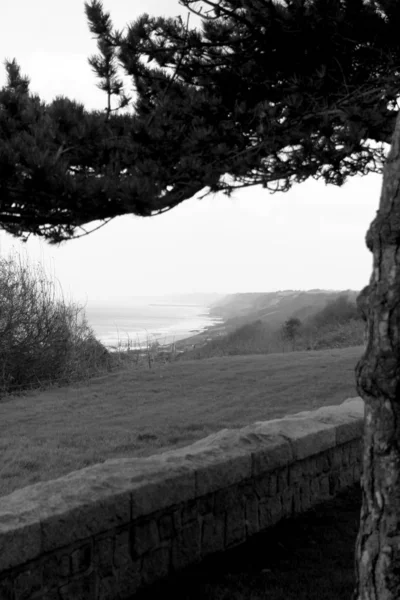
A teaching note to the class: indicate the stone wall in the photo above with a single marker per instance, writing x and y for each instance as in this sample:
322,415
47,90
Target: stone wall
111,529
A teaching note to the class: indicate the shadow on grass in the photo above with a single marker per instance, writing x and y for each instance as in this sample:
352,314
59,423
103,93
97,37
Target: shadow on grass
309,557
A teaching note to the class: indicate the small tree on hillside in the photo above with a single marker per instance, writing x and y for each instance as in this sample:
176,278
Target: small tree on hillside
291,330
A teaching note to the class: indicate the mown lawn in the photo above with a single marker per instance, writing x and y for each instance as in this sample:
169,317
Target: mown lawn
46,434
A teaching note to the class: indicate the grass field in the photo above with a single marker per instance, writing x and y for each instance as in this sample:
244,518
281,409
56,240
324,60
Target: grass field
46,434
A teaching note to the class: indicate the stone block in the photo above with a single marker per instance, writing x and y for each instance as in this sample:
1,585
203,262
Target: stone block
322,463
296,502
81,558
346,418
206,504
162,492
275,508
129,577
296,473
336,458
213,534
177,519
226,499
50,595
356,451
315,491
144,537
246,489
271,457
266,485
81,588
270,512
108,588
306,436
189,513
346,455
349,430
20,534
67,524
346,477
334,483
156,565
221,459
324,487
222,470
103,555
251,516
50,572
283,479
354,405
356,473
307,500
6,589
28,583
156,481
122,549
235,529
166,527
64,565
186,546
68,509
287,502
310,467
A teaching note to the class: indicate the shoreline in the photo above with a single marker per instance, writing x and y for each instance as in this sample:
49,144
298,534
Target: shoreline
208,334
168,340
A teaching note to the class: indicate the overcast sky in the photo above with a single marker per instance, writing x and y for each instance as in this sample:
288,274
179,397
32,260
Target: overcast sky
310,237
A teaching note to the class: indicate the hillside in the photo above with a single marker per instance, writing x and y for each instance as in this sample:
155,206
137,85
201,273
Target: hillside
331,321
273,308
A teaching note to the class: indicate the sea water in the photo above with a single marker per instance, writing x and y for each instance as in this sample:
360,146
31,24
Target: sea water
136,325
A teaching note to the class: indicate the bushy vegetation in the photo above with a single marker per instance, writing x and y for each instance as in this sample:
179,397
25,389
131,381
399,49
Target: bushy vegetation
339,311
252,338
43,339
338,325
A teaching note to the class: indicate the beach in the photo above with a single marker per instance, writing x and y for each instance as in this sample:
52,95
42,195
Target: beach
214,331
137,325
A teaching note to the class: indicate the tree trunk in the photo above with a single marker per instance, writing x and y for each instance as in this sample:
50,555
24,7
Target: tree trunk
378,382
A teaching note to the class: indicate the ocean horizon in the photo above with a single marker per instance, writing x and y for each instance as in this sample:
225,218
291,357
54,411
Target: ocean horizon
166,323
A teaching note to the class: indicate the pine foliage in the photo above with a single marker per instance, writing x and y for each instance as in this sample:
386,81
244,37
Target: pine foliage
266,92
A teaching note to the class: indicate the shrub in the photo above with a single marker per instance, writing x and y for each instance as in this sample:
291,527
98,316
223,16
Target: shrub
42,339
338,311
343,335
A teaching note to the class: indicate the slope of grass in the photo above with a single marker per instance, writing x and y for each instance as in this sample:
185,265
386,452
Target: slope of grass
309,557
47,434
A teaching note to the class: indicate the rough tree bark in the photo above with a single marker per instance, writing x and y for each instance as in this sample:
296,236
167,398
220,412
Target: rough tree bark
378,383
